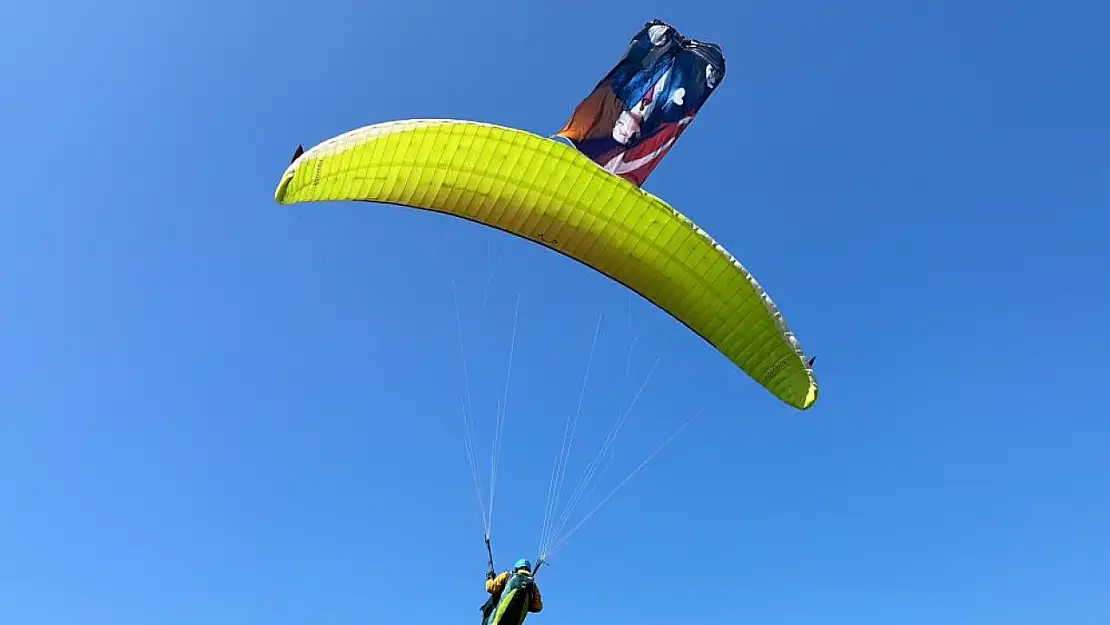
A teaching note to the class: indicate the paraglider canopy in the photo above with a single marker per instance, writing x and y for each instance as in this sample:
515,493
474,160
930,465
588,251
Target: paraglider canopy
583,200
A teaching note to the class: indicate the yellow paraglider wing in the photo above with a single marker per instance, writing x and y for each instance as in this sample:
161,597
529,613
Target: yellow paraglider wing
548,192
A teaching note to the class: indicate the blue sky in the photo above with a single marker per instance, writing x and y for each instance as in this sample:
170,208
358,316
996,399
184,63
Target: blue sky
217,410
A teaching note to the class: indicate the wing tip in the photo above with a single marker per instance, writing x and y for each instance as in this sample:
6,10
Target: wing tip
811,392
279,194
811,397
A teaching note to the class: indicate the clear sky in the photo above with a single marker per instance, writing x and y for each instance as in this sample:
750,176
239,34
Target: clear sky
216,410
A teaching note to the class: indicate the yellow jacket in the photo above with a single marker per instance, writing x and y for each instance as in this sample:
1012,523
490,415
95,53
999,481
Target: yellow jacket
496,585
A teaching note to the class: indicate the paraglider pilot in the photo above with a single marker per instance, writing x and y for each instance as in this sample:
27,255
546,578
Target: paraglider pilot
513,594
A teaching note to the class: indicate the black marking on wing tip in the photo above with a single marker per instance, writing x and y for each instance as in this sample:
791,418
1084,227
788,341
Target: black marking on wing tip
297,154
811,361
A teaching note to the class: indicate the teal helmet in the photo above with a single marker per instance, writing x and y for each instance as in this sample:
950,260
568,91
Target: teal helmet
522,563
